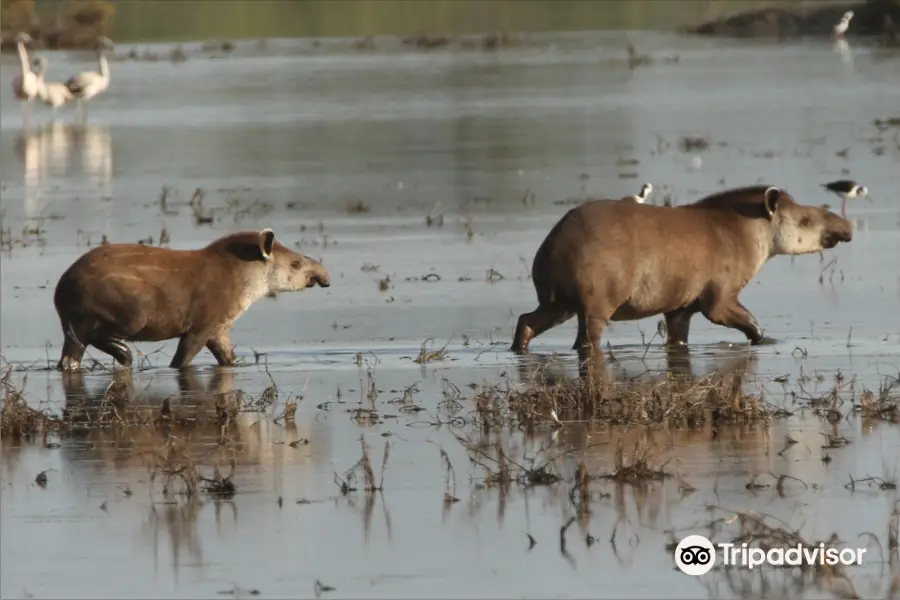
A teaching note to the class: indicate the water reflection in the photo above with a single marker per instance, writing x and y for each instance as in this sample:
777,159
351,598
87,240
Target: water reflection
629,364
59,150
202,407
844,51
117,389
177,521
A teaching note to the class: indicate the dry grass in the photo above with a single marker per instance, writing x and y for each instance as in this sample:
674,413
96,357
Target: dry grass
125,409
346,483
18,419
672,400
180,472
428,354
641,467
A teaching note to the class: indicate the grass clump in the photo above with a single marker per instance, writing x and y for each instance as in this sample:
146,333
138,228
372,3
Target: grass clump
672,400
18,419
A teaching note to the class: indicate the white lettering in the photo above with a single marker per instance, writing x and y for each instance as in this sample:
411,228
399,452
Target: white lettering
756,557
727,555
793,556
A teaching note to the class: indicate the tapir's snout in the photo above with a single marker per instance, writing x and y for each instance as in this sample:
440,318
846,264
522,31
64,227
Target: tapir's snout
320,278
840,231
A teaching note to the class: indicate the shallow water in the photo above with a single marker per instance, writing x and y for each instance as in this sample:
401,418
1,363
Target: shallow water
288,137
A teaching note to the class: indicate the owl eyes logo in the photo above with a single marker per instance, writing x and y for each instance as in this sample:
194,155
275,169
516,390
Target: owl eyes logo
695,555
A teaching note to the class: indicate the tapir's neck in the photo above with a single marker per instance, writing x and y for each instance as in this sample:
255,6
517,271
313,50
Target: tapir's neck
752,236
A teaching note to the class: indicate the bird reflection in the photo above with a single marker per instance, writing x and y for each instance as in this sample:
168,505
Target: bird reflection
843,49
59,151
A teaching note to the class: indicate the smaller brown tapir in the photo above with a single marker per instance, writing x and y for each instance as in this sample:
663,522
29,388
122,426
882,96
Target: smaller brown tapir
117,293
608,260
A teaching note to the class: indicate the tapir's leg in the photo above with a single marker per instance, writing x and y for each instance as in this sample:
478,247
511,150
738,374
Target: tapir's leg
590,330
103,340
189,346
74,342
678,326
533,324
731,313
110,336
220,346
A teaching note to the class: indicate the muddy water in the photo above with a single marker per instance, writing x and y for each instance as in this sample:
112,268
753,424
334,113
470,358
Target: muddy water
294,138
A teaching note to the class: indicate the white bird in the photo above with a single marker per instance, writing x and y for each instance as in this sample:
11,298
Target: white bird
25,85
841,28
88,84
53,93
642,197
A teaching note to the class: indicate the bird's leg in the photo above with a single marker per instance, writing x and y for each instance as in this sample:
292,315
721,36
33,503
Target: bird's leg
844,207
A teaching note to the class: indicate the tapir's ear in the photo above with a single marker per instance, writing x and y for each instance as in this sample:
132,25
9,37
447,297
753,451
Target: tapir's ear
266,242
771,198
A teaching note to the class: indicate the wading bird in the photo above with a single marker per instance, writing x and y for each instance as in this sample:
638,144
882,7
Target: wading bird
841,27
53,93
846,190
642,197
88,84
25,85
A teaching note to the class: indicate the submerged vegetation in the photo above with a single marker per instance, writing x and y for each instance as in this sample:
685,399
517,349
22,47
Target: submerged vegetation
589,441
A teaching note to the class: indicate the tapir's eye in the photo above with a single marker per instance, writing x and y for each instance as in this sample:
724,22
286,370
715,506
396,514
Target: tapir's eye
295,265
805,222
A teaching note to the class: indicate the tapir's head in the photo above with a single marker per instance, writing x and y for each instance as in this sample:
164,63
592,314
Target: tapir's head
798,229
267,267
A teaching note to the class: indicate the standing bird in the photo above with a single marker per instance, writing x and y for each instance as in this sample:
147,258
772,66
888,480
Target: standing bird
846,190
53,93
642,197
841,27
88,84
25,85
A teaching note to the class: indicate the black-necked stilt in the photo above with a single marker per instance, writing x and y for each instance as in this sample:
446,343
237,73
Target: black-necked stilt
642,197
841,27
847,189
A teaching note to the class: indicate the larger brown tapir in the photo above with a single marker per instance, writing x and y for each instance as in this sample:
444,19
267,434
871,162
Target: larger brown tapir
117,293
608,260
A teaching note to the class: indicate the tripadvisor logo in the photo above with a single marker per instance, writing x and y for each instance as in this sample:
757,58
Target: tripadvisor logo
695,555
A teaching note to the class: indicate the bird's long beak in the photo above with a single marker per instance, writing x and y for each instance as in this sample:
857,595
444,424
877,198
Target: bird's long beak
869,198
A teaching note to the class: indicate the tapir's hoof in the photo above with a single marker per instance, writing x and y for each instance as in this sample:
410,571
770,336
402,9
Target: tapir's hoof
68,365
